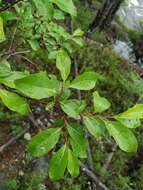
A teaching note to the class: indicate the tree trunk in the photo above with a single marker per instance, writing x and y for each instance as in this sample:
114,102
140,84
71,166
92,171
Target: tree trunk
105,15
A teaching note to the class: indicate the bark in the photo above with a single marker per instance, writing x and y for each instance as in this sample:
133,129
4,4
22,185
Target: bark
105,15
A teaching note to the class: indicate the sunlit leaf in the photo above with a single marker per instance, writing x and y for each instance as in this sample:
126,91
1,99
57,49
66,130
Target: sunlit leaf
14,102
59,15
5,69
66,5
78,140
135,112
37,86
43,142
78,32
100,104
123,136
14,75
44,8
130,123
94,125
73,164
73,107
2,34
58,163
63,63
85,81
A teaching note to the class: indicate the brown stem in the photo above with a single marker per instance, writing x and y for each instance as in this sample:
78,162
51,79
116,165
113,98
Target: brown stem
10,5
109,158
13,140
93,176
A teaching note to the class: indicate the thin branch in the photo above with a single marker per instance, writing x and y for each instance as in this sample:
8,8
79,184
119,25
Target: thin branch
33,121
23,57
94,177
13,140
110,156
28,60
12,39
15,53
90,159
75,62
76,74
9,5
93,42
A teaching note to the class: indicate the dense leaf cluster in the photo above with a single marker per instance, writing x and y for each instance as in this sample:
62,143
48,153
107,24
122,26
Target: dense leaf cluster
38,24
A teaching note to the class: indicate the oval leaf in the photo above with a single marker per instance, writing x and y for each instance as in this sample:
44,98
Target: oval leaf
78,32
136,112
43,142
78,141
37,86
95,126
73,107
45,8
66,5
10,80
63,63
58,163
123,136
100,104
85,81
73,164
2,35
130,123
5,69
14,102
58,14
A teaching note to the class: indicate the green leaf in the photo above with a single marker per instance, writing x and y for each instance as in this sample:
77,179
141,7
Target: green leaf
136,112
9,80
100,104
73,164
58,15
50,105
68,47
63,63
59,122
58,163
130,123
85,81
78,32
66,5
65,94
94,125
52,55
8,16
14,102
78,140
73,107
123,136
11,184
43,142
37,86
44,8
5,69
78,40
58,32
2,35
34,44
